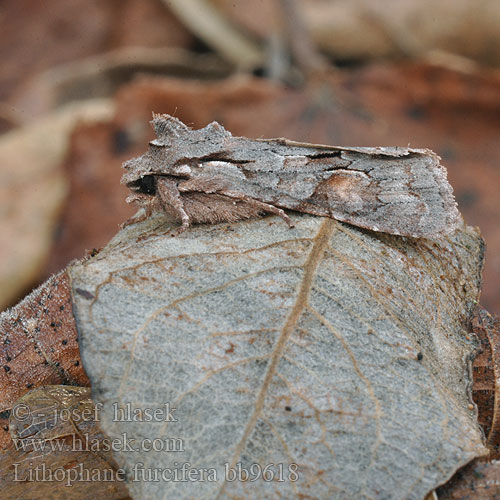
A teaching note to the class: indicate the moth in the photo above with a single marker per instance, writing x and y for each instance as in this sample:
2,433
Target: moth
209,176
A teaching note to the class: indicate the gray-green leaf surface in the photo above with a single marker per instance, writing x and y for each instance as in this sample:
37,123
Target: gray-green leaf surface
340,350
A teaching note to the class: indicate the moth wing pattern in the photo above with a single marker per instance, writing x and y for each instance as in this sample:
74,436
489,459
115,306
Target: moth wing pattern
407,195
395,190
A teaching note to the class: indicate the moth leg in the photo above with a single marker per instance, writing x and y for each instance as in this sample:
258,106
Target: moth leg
144,202
171,201
266,207
135,220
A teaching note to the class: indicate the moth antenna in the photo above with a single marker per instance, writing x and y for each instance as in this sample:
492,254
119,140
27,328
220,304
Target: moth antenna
166,126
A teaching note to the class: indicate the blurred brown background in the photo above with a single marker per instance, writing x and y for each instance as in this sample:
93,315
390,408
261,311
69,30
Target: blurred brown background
80,78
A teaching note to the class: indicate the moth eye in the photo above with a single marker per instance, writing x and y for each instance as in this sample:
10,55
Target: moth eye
183,170
147,184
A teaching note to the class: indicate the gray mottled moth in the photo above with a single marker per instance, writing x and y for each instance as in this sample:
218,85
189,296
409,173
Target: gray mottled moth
209,176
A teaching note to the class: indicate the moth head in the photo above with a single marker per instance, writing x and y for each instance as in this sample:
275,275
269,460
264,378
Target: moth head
140,175
173,152
139,172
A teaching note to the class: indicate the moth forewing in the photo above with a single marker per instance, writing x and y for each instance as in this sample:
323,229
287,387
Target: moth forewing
207,175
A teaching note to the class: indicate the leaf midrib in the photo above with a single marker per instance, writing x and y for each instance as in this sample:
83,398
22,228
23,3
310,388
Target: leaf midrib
315,256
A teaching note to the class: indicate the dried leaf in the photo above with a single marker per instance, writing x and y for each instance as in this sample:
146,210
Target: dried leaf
102,75
33,188
365,29
58,36
478,480
38,346
337,349
60,451
95,205
486,386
